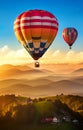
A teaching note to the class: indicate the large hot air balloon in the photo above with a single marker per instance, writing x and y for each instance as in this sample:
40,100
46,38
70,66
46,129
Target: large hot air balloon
36,30
69,35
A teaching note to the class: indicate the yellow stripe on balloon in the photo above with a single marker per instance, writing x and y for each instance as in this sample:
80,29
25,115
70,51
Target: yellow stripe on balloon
36,34
27,35
53,34
45,34
20,37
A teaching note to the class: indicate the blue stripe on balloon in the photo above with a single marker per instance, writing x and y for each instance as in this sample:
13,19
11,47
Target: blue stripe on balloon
36,49
42,44
30,45
33,53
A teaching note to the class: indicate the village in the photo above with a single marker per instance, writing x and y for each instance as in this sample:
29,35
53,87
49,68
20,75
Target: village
63,115
58,121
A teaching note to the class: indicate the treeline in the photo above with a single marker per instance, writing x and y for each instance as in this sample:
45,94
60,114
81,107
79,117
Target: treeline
74,102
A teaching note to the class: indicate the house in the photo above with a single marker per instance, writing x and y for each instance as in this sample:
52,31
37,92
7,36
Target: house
52,120
67,119
47,120
55,120
75,121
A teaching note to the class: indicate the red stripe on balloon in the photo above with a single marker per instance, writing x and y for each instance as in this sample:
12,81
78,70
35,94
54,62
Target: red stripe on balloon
28,27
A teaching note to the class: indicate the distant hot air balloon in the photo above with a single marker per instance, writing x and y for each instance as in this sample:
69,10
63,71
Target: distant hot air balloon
36,30
69,35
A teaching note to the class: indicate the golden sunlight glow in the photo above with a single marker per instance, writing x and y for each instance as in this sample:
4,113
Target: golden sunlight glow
21,56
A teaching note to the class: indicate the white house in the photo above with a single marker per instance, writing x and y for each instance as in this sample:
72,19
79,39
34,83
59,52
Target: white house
55,120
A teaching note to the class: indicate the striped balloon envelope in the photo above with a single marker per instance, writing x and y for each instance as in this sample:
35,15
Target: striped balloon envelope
36,30
69,35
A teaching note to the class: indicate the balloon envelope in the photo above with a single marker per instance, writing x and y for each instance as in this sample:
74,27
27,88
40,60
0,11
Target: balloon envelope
69,35
36,30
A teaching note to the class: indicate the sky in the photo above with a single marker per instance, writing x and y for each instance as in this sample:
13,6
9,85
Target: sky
69,14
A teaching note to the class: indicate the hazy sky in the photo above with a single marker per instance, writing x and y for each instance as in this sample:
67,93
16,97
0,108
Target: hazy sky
68,12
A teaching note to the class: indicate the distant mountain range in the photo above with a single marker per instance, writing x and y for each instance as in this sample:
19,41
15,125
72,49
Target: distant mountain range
40,87
27,81
10,71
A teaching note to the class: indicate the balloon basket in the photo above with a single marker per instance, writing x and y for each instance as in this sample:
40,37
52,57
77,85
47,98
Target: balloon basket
37,64
70,47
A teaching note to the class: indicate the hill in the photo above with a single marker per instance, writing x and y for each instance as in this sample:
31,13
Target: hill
22,113
78,71
78,79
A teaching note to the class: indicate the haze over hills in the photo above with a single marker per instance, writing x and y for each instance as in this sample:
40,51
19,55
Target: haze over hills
26,72
35,89
9,66
78,79
43,81
78,71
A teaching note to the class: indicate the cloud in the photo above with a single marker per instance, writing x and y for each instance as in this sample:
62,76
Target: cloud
21,56
71,57
9,56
